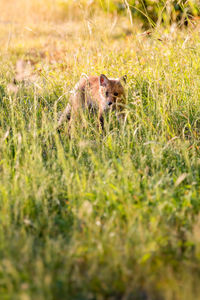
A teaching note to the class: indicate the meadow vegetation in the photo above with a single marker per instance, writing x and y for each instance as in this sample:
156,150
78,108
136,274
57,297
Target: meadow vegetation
110,214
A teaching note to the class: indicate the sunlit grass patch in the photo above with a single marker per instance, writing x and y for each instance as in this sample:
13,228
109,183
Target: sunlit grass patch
92,214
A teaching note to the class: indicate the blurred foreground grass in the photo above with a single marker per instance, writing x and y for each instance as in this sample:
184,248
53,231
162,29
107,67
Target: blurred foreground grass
111,215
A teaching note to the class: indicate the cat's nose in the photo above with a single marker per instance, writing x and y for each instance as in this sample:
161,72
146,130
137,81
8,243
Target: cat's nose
109,103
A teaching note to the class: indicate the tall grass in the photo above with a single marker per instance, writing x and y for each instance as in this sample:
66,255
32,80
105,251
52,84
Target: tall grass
99,215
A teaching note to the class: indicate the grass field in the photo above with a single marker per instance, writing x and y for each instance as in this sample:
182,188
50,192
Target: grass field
98,215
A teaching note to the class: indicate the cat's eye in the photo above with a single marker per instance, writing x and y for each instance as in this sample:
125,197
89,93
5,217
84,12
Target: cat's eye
106,94
116,94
